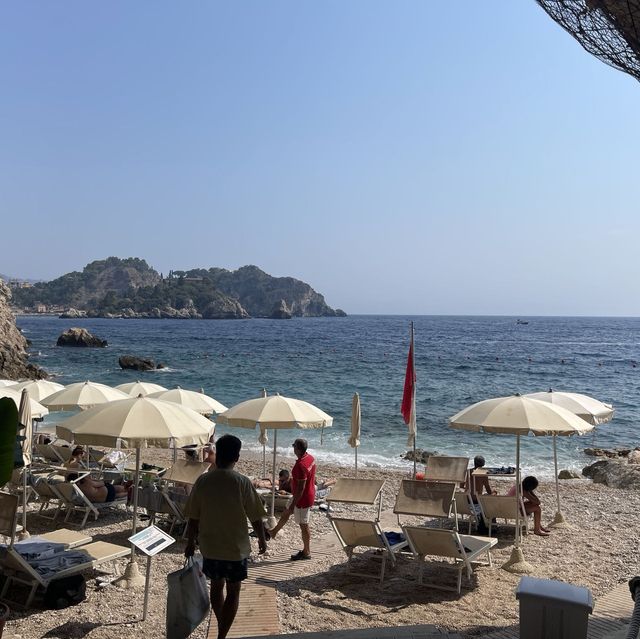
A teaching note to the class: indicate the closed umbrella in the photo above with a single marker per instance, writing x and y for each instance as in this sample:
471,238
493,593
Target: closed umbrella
275,412
137,422
517,415
39,388
201,403
354,439
133,389
82,395
587,408
26,431
37,409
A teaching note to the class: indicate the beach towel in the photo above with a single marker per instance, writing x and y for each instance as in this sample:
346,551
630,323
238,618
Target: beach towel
187,599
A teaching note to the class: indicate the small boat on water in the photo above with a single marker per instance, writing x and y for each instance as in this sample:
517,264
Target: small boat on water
519,321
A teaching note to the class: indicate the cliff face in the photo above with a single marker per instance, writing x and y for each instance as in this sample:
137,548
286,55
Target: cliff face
259,293
13,345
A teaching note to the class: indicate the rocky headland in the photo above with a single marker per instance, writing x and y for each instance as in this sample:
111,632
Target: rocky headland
14,363
131,289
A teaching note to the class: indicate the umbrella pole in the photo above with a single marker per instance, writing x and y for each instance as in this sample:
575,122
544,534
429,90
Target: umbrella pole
24,533
558,520
356,462
516,562
271,522
415,461
132,577
264,461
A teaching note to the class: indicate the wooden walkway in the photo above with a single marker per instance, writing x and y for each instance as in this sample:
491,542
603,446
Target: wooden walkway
398,632
258,611
611,613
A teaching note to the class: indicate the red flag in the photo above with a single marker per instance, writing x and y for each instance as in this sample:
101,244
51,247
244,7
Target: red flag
407,406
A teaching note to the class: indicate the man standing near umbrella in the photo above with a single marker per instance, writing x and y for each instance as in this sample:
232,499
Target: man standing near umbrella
303,481
219,505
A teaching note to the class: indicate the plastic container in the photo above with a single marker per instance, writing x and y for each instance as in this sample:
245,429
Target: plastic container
553,609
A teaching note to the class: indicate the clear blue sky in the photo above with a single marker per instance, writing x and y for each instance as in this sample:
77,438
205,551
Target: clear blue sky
401,157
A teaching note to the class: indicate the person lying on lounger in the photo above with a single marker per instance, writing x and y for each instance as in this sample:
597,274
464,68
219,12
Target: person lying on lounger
99,492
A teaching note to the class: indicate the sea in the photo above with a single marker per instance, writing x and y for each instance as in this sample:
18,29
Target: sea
459,360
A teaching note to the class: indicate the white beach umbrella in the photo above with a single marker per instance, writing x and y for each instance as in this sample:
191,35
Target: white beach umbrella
201,403
518,415
7,382
587,408
26,430
82,395
37,409
137,422
356,420
39,388
275,412
133,389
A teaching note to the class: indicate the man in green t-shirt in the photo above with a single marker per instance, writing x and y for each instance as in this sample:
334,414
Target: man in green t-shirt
219,505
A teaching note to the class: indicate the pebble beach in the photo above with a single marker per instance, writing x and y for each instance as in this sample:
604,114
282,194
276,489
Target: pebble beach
599,550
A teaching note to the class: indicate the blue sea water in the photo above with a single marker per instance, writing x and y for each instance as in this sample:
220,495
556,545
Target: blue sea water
459,360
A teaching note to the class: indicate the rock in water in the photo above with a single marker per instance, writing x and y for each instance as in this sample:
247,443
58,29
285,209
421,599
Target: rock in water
80,337
137,363
13,345
421,455
280,311
614,473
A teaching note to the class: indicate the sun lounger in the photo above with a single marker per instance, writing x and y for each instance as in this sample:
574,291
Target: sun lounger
16,486
466,508
443,468
45,493
357,491
17,569
501,507
51,454
74,500
420,498
447,544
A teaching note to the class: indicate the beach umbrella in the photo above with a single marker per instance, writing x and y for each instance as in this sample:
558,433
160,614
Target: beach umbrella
275,412
519,416
82,395
135,423
37,409
38,388
133,389
587,408
7,382
356,418
201,403
26,431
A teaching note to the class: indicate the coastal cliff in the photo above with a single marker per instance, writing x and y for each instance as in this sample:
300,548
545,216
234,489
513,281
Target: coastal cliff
13,345
130,288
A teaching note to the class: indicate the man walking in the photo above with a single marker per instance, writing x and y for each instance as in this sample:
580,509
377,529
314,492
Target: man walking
303,483
219,505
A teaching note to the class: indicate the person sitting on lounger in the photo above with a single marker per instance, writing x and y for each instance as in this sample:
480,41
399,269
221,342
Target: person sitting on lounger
476,484
99,492
531,503
76,461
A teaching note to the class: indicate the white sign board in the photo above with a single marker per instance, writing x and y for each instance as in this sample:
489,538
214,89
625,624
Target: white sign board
151,540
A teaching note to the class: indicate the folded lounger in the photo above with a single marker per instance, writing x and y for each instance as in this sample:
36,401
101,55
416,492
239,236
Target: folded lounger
66,544
447,544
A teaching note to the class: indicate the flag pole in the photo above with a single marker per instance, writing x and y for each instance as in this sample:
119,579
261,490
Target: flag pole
413,402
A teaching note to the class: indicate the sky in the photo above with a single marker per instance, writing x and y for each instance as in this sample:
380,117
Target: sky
411,157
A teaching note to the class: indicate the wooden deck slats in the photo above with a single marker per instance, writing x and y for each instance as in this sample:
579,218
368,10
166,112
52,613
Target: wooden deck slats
611,613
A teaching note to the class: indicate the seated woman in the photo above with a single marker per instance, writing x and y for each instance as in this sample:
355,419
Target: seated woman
531,504
99,492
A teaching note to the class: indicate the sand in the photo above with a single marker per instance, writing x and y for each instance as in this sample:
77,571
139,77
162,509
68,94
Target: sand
598,551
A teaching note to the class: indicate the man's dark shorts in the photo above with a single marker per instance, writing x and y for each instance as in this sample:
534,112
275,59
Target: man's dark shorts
232,571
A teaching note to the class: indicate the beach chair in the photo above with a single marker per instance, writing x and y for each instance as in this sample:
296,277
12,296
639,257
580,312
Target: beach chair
45,493
363,533
501,507
74,500
418,498
443,468
50,454
177,482
72,548
466,508
16,486
447,545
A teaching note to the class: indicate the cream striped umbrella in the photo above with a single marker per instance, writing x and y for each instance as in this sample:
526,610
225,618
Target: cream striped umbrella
133,389
82,395
587,408
520,416
275,412
39,388
37,409
201,403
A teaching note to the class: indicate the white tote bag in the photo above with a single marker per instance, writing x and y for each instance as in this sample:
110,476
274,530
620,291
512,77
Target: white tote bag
187,599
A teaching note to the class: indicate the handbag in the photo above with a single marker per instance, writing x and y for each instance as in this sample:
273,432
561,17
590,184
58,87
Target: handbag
187,599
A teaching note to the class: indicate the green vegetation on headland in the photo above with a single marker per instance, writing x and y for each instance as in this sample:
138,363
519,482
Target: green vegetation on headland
131,288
